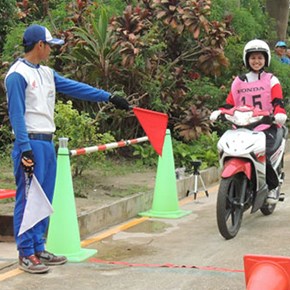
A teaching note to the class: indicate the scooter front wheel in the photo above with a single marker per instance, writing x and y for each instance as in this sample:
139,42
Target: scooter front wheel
267,209
230,207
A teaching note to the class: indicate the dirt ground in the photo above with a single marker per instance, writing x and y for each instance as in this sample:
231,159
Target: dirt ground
108,189
98,190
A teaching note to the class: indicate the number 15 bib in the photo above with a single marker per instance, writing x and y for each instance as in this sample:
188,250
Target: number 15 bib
256,94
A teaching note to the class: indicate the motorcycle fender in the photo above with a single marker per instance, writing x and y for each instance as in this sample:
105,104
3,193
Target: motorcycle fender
235,165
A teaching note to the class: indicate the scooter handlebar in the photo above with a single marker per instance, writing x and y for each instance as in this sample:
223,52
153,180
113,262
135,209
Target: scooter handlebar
246,116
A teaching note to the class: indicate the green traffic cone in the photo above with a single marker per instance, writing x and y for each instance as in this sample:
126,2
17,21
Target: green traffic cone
63,236
165,199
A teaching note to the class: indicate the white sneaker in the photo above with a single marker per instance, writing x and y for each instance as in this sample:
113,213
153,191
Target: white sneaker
272,196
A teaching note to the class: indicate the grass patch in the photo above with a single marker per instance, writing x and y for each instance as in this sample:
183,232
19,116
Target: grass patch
7,180
107,177
100,175
128,191
119,167
7,200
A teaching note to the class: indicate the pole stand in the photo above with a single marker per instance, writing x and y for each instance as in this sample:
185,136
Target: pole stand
195,171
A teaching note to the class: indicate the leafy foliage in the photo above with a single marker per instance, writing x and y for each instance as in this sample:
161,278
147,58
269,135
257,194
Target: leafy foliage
180,20
7,19
145,154
214,93
191,44
82,132
6,136
12,48
6,140
94,49
194,123
222,8
246,25
173,56
281,71
128,31
29,11
204,148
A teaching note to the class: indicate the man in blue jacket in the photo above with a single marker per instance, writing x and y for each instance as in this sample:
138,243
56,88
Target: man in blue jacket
31,91
280,50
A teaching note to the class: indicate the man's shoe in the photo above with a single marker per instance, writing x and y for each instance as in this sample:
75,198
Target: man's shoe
32,264
50,259
272,196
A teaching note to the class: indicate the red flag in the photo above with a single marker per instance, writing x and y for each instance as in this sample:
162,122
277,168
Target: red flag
154,124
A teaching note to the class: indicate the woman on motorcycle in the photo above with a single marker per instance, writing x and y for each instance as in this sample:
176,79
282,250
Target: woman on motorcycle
260,89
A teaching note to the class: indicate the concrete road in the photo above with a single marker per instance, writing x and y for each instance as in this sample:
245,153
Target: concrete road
185,253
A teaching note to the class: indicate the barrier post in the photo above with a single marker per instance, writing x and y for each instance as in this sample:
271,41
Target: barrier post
165,199
63,233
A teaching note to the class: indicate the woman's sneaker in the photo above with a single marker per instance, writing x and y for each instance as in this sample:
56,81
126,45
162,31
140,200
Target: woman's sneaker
272,197
50,259
32,264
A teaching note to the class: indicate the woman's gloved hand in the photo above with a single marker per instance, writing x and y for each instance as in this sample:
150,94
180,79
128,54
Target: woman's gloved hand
214,115
280,119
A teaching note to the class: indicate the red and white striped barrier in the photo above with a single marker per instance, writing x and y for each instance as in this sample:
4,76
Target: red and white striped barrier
83,151
7,193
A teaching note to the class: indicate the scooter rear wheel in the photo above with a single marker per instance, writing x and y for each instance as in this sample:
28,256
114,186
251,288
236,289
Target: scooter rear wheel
230,208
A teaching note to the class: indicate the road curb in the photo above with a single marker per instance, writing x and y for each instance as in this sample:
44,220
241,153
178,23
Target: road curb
94,220
126,208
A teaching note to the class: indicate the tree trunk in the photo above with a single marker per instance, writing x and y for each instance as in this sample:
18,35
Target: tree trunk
279,10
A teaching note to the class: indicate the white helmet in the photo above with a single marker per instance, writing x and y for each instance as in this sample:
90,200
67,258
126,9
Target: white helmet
256,45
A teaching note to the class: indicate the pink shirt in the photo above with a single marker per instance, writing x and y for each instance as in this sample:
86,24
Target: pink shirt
256,93
275,93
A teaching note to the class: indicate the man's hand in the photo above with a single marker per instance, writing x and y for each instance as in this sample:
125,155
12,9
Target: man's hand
119,102
27,161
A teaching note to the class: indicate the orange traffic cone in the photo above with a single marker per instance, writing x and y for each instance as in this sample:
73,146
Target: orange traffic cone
267,272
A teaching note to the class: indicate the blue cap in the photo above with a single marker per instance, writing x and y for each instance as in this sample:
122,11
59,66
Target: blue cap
281,44
35,33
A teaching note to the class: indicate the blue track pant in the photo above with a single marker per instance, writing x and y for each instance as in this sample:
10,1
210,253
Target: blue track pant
32,241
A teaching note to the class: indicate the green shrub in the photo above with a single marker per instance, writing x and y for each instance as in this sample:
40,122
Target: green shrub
7,19
281,71
204,149
205,86
82,132
6,140
246,26
159,78
220,8
249,18
12,47
145,154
